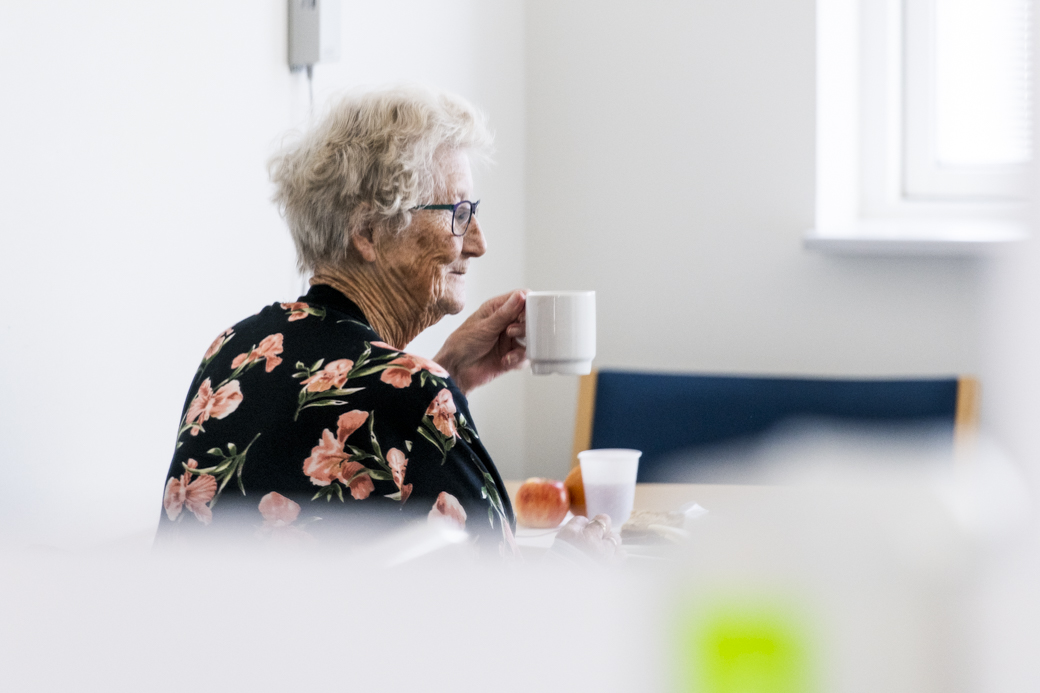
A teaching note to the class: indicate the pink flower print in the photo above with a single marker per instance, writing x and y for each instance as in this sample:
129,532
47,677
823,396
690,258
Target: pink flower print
361,486
327,457
431,366
384,345
278,511
208,404
442,409
347,423
297,311
325,461
448,509
398,464
217,343
399,372
509,541
269,348
193,493
334,375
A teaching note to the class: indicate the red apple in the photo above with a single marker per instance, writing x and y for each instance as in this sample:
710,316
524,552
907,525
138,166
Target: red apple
542,503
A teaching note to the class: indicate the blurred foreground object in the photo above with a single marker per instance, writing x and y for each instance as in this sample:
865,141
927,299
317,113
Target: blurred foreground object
855,576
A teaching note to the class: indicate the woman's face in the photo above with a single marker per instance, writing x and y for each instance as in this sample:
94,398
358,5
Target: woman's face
426,259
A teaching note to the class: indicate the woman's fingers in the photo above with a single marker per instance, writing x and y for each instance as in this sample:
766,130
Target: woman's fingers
490,306
598,528
511,310
515,358
572,530
513,353
485,345
594,537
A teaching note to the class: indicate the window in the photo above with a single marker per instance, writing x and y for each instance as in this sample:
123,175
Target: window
923,123
967,116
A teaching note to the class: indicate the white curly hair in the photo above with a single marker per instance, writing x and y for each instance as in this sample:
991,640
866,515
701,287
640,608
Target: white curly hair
367,164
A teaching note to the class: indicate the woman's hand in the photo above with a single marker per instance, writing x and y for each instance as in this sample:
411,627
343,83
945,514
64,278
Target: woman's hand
594,538
485,346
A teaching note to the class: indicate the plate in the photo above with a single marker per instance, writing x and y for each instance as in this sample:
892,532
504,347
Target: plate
539,538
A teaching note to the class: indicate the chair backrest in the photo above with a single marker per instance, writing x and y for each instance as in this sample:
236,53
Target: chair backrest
663,414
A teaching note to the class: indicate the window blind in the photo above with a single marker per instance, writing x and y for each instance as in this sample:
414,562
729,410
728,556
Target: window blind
983,100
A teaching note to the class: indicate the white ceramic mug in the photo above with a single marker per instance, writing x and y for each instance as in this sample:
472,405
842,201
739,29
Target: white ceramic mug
561,331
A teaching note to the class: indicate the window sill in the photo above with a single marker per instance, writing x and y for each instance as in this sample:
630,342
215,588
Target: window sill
961,237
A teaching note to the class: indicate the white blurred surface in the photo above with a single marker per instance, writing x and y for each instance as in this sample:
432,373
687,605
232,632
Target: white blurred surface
873,580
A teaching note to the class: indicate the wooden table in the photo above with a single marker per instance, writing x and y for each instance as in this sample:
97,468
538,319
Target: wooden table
719,500
664,497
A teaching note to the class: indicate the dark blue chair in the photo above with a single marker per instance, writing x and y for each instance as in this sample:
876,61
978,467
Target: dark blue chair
667,415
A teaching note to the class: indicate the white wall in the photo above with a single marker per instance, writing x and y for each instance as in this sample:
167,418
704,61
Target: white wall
671,168
135,221
660,153
1007,607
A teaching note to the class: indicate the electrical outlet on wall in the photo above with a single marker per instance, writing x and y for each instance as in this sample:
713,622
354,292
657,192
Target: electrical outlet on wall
314,32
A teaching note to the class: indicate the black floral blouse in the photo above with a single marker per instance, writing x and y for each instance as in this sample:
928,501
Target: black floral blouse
301,423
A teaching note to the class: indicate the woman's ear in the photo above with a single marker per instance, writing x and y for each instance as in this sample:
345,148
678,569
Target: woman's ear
363,241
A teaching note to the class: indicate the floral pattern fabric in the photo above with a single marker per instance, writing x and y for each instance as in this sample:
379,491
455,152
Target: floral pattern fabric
319,423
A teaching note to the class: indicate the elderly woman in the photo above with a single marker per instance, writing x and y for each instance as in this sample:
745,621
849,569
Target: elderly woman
313,409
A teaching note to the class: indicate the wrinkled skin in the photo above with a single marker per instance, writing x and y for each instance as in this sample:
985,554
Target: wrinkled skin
408,281
485,346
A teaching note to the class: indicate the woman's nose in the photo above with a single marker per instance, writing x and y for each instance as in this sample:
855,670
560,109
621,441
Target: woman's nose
473,243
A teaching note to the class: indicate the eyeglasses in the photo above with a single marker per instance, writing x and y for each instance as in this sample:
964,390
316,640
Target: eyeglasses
461,213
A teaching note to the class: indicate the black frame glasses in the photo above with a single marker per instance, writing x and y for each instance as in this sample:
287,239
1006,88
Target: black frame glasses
455,214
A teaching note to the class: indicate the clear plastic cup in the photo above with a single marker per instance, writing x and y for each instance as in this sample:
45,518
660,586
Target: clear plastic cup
609,478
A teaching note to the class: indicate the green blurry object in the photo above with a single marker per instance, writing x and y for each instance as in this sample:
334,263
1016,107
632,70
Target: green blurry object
742,648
